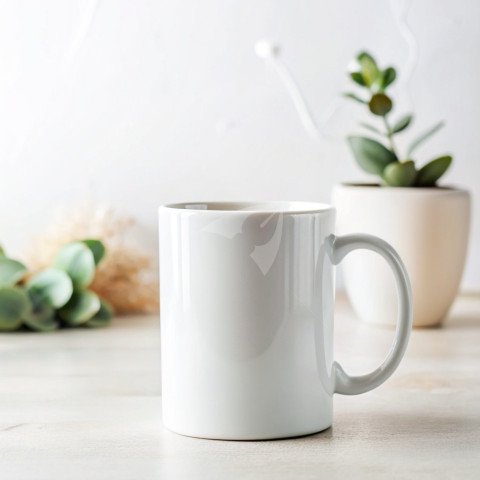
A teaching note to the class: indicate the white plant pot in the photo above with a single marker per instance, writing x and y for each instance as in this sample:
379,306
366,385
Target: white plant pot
429,228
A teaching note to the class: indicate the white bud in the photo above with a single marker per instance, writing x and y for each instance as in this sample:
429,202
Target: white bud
266,49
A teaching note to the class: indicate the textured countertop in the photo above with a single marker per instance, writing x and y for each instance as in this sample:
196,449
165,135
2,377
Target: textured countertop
85,404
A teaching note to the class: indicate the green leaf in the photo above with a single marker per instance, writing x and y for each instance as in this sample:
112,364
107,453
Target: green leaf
11,271
365,56
368,67
388,77
355,97
357,77
371,128
102,318
402,123
400,174
371,155
380,104
78,261
2,252
52,285
424,136
46,325
384,79
97,248
429,174
41,316
80,308
14,305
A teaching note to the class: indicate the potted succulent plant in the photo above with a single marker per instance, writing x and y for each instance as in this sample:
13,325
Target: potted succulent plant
427,224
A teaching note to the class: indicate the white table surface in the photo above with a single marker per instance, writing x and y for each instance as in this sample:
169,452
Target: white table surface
85,404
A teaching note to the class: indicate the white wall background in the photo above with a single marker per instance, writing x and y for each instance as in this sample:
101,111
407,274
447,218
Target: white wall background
139,102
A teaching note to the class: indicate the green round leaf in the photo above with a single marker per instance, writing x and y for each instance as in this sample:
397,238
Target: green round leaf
402,124
97,248
400,174
11,271
380,104
14,305
371,155
78,261
47,325
357,77
51,285
368,68
41,316
388,77
429,174
80,308
102,318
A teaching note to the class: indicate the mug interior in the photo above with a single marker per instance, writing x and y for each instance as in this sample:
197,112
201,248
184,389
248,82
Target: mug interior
264,207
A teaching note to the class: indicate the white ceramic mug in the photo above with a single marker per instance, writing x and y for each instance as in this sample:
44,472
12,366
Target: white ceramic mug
247,300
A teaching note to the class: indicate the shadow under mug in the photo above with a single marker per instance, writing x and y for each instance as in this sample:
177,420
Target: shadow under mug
247,301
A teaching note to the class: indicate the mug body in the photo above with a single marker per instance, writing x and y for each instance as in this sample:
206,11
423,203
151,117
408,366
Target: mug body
247,295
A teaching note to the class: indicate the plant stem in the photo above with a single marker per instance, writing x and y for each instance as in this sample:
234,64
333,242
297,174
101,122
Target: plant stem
389,135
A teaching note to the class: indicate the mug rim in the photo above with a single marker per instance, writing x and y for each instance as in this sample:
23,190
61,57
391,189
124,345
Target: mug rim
250,207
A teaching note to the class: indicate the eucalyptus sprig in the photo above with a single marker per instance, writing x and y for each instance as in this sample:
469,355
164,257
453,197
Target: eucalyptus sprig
55,297
383,158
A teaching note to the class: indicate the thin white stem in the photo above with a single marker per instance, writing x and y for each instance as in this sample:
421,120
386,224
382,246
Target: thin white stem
299,102
400,9
270,53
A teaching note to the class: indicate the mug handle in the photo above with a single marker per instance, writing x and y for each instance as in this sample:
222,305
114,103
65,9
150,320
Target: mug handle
342,245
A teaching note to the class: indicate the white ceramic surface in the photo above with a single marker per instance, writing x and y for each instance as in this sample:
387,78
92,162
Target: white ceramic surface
429,227
247,294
